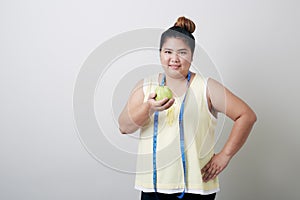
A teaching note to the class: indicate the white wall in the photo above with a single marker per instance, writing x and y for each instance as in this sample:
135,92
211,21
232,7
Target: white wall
254,44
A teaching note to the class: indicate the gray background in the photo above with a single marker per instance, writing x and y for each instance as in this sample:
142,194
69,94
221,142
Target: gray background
254,44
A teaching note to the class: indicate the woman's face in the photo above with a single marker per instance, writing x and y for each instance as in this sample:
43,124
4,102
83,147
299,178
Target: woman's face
176,57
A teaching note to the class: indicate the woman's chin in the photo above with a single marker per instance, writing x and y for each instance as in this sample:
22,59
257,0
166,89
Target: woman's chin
174,72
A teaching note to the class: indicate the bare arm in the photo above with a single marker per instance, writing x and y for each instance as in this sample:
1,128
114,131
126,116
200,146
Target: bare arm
222,100
137,112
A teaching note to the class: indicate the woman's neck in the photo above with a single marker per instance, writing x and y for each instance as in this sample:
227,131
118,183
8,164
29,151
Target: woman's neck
175,82
177,85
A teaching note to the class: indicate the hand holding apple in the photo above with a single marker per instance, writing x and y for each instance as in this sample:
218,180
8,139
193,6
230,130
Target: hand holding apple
163,92
160,100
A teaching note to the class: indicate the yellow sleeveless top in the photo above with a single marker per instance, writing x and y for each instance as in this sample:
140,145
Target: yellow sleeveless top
199,128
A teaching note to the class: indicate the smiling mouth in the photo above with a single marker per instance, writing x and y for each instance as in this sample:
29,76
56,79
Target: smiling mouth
174,66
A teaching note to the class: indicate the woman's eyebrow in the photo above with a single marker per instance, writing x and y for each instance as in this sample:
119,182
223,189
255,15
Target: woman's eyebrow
177,50
167,49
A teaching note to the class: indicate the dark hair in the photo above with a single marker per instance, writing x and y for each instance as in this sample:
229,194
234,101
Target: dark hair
182,29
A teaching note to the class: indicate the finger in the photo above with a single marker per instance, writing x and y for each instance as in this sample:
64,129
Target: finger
166,103
212,165
205,168
152,95
208,173
207,177
211,175
160,103
214,176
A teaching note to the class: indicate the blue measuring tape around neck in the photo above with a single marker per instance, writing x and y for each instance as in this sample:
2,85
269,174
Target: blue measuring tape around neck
155,131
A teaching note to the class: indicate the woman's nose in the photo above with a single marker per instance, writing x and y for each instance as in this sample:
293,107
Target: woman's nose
174,58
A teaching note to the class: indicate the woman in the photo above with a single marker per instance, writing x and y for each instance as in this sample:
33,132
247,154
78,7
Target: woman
178,133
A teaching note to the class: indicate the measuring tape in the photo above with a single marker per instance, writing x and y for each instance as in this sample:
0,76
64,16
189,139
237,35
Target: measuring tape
181,129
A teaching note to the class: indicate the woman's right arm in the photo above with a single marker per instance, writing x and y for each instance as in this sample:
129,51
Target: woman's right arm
137,112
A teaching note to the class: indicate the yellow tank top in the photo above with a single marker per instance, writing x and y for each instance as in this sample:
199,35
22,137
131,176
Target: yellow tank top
199,128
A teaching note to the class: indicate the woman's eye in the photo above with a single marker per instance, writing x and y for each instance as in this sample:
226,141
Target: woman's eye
182,53
168,52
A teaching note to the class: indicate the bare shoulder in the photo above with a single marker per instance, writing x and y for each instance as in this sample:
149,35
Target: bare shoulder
215,91
215,96
137,94
213,84
223,100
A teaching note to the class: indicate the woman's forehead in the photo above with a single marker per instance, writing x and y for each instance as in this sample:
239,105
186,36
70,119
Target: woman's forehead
175,44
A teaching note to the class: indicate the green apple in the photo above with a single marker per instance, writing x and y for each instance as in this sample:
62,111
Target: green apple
162,92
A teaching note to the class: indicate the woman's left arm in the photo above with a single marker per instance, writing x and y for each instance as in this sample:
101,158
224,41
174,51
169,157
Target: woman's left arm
224,101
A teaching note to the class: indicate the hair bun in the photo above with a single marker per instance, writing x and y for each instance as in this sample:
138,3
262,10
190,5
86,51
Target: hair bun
186,23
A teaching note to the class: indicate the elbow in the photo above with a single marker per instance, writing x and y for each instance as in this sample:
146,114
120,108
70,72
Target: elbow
252,118
127,125
248,116
122,131
123,128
